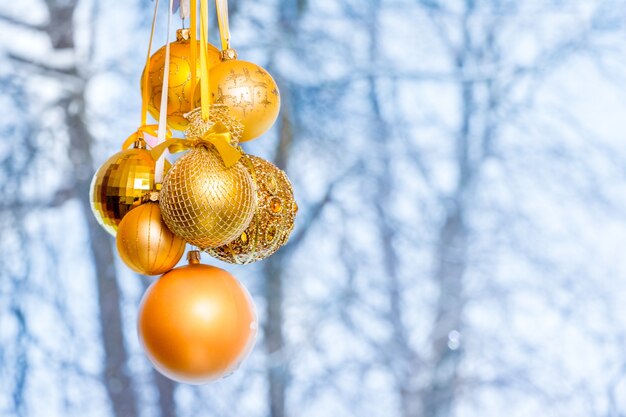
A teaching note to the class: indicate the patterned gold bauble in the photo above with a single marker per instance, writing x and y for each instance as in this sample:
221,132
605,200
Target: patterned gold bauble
119,184
204,202
273,220
180,96
144,242
250,93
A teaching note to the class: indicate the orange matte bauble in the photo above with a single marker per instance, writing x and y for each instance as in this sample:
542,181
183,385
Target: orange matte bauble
250,93
144,242
197,323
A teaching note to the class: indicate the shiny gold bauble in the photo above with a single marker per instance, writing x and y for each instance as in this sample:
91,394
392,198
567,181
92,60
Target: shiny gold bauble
119,184
179,96
204,202
250,93
144,242
273,219
197,323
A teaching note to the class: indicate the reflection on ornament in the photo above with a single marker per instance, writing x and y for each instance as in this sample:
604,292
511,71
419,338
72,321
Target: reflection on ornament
204,202
180,96
144,242
119,184
197,323
250,93
273,219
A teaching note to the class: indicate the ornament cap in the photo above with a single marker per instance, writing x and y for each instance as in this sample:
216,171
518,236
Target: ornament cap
182,35
193,257
150,197
139,144
229,54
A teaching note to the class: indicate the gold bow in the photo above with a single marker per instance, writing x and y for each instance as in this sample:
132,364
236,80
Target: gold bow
151,130
218,136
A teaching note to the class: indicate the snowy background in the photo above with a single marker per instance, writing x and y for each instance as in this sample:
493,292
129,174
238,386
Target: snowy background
460,168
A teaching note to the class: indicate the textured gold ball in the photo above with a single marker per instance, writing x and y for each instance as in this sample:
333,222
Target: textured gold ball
179,95
273,219
250,93
119,184
144,242
204,202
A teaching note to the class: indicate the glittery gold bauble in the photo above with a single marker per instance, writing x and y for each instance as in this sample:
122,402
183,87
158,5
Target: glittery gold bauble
204,202
250,93
144,242
218,114
273,220
119,184
179,96
197,323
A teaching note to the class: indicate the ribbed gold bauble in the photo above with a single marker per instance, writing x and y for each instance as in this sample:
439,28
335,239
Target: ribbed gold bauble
273,220
180,96
119,184
250,93
144,242
204,202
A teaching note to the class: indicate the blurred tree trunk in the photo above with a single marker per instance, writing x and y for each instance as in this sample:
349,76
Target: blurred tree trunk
273,274
450,265
166,389
436,398
277,367
117,381
274,339
450,262
450,258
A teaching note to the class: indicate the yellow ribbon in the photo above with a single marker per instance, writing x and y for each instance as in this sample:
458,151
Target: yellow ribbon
221,6
193,30
151,130
218,136
145,97
205,99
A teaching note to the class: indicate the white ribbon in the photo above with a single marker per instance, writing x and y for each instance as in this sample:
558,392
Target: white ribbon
184,9
160,164
222,19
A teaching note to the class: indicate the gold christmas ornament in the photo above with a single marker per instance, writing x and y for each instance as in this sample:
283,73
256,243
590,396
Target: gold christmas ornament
197,323
144,242
120,183
203,201
273,219
180,96
248,91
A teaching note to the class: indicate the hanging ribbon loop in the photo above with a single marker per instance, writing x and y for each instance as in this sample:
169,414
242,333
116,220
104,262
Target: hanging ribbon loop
193,44
205,99
218,136
222,19
151,130
145,96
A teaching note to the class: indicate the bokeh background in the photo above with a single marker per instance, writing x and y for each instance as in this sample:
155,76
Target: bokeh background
460,167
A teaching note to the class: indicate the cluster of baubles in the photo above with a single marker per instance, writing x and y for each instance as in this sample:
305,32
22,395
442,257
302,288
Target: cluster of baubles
197,322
